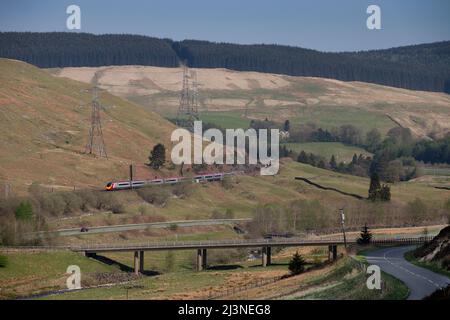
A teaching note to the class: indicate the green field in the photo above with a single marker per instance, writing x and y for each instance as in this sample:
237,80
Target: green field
327,149
328,117
226,120
29,273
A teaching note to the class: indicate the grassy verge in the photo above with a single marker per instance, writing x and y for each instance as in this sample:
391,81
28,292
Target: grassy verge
350,284
432,266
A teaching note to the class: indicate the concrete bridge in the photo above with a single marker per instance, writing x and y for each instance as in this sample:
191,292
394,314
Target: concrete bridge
266,246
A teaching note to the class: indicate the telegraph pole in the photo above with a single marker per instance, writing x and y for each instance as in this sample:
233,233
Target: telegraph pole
131,176
341,211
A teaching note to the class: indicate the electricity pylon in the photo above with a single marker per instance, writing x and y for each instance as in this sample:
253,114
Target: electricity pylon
96,143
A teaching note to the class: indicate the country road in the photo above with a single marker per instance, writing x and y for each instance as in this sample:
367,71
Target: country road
143,226
421,282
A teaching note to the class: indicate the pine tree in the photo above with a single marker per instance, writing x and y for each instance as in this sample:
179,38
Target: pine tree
302,157
375,187
297,264
287,126
355,159
365,236
157,156
333,163
321,164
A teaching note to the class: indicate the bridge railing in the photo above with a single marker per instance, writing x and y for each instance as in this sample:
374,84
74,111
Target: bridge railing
240,242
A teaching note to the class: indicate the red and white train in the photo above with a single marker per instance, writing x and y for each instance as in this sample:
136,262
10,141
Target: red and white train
207,177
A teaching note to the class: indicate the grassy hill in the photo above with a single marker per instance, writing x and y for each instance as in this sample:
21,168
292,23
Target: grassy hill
231,98
44,124
327,149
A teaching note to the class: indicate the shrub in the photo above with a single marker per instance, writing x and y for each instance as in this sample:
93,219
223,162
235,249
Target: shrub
155,196
73,202
227,184
104,201
181,190
8,207
117,207
229,214
52,204
3,261
88,199
24,211
35,189
143,210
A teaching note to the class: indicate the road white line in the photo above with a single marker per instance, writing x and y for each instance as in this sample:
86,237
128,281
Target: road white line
407,270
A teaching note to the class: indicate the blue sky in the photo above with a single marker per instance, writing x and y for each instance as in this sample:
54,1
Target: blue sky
329,25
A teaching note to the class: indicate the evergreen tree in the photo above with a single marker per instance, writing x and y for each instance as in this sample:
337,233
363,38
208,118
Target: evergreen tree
24,211
302,157
321,164
287,126
378,192
365,236
355,159
385,193
333,163
297,264
375,186
157,156
421,67
373,140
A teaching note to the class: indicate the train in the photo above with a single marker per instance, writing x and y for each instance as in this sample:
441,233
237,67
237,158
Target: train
135,184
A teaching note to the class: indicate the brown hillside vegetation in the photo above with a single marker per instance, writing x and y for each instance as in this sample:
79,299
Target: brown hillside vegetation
44,124
437,250
259,95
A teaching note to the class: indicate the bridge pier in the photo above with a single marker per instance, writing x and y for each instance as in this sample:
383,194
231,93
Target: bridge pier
202,260
141,262
266,256
136,262
332,252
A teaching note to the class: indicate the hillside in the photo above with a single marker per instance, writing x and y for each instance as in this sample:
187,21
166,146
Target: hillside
44,124
423,67
436,251
232,98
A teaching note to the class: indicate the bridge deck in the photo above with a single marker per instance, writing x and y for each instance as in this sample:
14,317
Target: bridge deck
253,243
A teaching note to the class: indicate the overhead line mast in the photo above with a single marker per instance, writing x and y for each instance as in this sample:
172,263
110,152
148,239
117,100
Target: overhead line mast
189,102
96,143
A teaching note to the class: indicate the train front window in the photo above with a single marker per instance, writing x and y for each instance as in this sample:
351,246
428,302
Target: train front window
109,184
